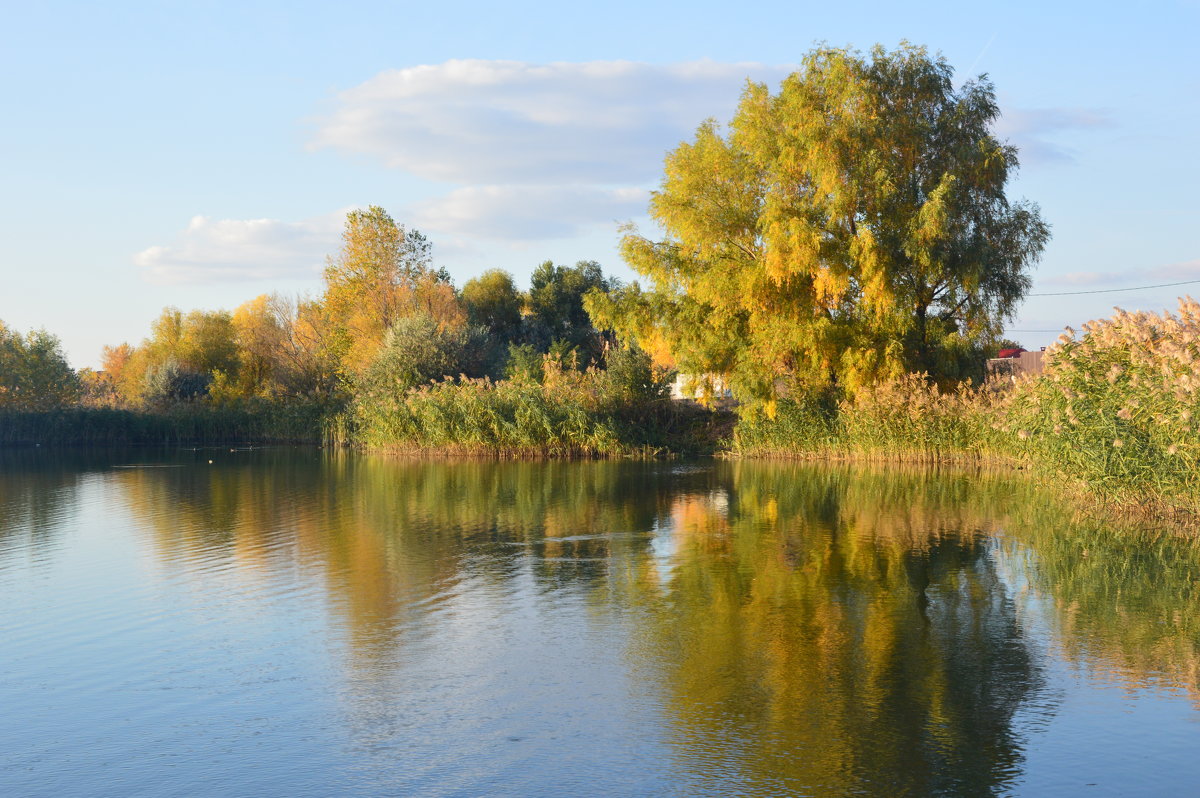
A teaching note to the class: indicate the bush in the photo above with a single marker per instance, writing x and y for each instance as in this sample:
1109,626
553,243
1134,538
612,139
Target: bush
418,350
630,377
169,383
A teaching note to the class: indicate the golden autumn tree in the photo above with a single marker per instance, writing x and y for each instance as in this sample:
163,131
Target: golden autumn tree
287,346
383,273
848,228
261,338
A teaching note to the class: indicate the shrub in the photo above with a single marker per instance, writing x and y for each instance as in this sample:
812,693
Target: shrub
418,350
524,363
169,383
631,377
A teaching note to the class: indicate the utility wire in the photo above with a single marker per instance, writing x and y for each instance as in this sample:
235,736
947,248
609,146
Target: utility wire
1116,290
1101,291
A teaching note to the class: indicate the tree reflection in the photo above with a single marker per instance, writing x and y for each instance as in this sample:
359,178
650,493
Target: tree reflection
39,490
390,536
817,629
836,632
1124,596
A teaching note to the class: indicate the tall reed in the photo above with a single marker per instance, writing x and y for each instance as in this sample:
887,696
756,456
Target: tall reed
1118,406
191,423
907,419
568,414
1115,412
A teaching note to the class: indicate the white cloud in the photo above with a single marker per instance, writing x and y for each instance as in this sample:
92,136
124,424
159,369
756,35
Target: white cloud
225,250
529,212
475,122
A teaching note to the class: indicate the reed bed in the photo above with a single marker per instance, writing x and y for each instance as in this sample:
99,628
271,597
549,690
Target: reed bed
1114,414
569,414
253,422
906,420
1117,407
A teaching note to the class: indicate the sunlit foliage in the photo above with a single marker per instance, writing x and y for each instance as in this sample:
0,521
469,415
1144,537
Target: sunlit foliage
382,274
493,302
850,228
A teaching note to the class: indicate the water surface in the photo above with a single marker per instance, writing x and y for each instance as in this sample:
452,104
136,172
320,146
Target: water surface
297,622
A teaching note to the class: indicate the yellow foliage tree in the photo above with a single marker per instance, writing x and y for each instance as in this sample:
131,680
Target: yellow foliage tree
383,273
846,229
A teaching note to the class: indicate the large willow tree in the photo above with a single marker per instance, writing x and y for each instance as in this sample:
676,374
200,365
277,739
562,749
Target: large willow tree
849,228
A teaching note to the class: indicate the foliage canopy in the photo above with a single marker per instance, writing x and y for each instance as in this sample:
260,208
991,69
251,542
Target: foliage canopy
557,313
34,373
849,228
383,273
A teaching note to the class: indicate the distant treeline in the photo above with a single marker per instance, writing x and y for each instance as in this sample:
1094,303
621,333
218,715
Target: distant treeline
392,357
389,355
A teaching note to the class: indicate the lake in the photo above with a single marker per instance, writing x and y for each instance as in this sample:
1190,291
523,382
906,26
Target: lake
300,622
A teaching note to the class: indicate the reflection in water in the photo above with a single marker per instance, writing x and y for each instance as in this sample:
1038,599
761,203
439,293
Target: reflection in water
837,634
1124,598
762,627
38,493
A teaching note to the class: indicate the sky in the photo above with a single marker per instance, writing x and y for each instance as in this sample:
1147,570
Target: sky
201,154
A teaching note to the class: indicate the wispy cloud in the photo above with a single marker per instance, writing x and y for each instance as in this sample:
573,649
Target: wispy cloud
225,250
475,122
538,150
1038,132
1172,272
534,151
529,212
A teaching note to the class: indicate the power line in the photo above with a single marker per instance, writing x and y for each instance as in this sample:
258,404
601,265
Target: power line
1115,290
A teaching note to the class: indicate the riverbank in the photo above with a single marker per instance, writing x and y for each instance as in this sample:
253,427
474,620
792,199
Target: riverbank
1113,418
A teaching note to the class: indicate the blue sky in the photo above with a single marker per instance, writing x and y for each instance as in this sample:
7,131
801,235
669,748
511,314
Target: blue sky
200,154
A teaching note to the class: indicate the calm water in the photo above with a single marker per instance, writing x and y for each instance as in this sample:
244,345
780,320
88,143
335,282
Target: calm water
290,622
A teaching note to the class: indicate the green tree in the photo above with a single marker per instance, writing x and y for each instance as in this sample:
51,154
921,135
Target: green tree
556,308
849,228
34,373
169,382
493,302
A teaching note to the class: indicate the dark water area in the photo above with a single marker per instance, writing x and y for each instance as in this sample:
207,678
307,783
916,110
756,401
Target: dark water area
298,622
